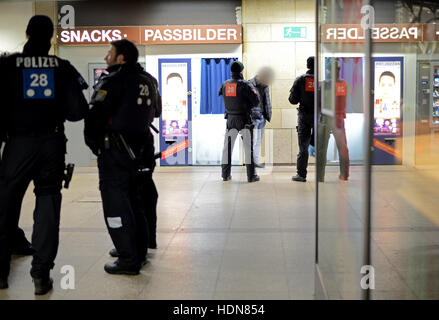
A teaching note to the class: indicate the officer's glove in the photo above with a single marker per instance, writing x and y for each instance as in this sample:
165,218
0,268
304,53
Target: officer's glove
312,151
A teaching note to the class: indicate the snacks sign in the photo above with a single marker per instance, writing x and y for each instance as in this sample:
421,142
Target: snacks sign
151,35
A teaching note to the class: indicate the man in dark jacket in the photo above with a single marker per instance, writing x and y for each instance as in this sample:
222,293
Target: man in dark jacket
39,93
262,112
117,130
302,93
239,98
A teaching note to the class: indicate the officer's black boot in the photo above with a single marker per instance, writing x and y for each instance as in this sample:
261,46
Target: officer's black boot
299,178
255,178
4,273
113,252
152,245
43,285
116,268
4,283
251,173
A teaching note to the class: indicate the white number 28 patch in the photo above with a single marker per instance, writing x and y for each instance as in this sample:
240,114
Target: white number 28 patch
38,84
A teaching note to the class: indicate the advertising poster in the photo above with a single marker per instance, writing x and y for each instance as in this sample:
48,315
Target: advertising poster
388,75
435,110
174,84
387,97
97,72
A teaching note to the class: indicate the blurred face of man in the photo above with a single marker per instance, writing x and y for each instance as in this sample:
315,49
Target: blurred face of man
266,77
112,58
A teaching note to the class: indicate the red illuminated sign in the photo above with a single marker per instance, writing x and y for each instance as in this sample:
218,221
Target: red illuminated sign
151,35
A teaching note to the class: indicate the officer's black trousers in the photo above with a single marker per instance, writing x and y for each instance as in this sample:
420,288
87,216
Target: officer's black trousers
124,213
150,198
229,142
19,241
41,159
304,133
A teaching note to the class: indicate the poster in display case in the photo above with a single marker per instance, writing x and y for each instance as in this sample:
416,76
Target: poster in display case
175,121
388,75
435,102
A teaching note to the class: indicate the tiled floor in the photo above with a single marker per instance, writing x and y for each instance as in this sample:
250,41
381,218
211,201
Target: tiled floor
236,240
405,233
216,240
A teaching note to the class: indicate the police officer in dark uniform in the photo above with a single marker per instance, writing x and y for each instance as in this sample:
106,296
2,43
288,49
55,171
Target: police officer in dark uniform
117,129
39,93
239,98
302,92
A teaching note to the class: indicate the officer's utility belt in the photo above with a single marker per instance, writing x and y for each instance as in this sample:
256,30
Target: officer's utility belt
117,140
112,139
35,132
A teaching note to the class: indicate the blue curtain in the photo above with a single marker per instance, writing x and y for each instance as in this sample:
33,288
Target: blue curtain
213,73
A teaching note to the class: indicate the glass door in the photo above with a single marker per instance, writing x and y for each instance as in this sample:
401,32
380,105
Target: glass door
343,134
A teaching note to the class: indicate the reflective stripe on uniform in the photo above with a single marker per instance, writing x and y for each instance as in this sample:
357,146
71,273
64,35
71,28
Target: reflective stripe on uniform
115,222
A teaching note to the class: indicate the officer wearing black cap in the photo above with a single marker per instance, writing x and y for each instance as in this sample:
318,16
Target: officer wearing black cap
117,129
39,93
302,92
239,98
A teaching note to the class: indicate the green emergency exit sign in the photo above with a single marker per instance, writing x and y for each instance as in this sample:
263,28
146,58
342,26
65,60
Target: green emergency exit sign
294,32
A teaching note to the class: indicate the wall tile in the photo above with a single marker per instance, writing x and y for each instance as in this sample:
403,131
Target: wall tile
294,146
280,93
264,45
278,55
276,119
282,146
257,32
289,118
263,11
266,155
303,51
305,11
256,56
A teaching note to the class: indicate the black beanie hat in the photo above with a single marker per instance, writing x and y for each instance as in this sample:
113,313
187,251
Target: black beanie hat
236,67
310,63
40,28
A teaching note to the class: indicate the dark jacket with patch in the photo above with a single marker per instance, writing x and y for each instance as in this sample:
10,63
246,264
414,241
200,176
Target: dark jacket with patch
263,109
39,93
125,101
239,98
302,93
